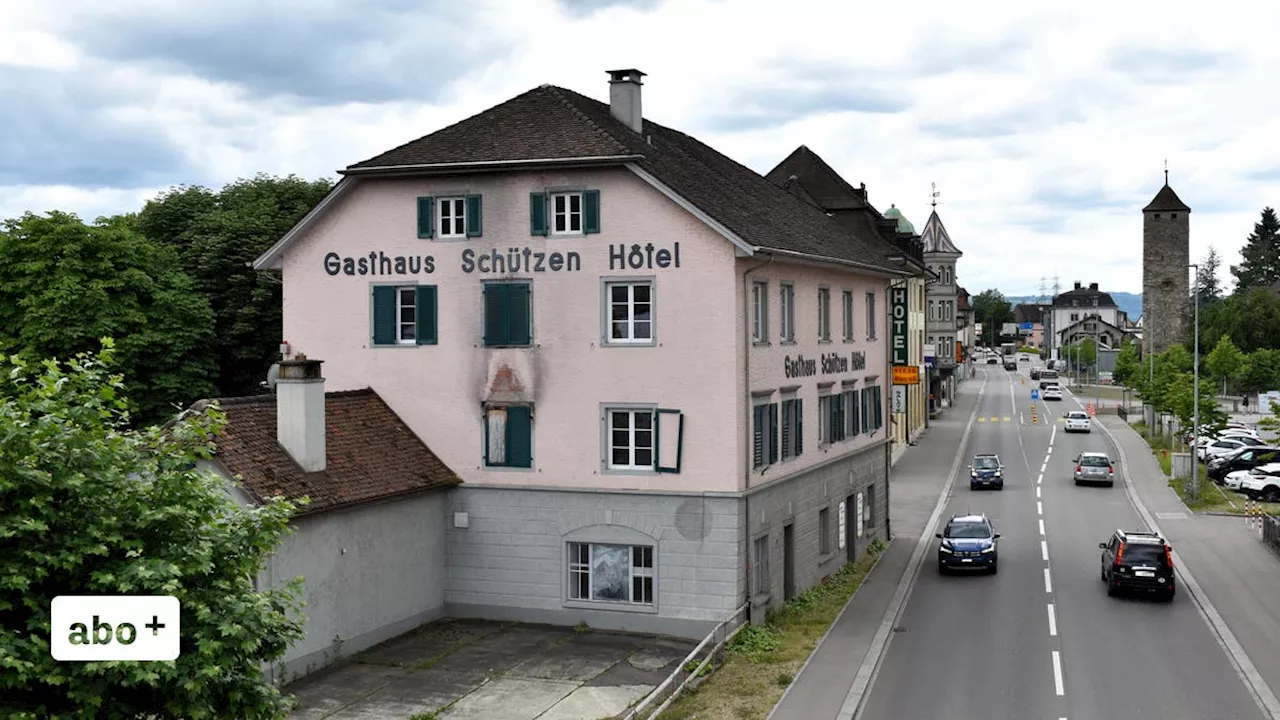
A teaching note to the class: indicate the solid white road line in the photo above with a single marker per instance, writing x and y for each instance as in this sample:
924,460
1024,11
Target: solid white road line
1057,674
1037,489
880,643
1048,584
1041,527
1039,508
1044,552
1053,622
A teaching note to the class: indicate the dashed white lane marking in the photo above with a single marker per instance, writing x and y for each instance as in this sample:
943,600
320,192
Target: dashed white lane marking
1044,552
1037,489
1048,584
1039,508
1041,527
1052,435
1057,674
1040,479
1044,466
1053,622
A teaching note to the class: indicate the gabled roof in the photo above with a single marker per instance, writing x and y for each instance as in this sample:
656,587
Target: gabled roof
1086,296
1028,312
551,126
935,237
370,454
821,181
1166,201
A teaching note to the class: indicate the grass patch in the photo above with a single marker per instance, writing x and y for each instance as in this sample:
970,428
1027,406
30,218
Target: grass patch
1211,497
763,660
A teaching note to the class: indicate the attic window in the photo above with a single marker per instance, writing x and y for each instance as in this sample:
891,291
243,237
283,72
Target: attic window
1173,216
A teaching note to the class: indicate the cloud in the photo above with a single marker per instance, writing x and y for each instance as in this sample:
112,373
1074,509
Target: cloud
1045,130
324,52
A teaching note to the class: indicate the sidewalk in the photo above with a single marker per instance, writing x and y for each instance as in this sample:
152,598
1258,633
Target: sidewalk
915,482
1235,571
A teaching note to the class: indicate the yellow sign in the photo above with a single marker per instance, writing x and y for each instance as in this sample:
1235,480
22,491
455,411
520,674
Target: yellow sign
906,374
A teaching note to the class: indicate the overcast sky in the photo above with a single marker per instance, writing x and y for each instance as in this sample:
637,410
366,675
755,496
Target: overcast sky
1046,130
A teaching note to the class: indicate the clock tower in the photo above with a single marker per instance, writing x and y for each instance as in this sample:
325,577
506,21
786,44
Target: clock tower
1166,256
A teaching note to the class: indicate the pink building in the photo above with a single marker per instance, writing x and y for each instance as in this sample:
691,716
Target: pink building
661,377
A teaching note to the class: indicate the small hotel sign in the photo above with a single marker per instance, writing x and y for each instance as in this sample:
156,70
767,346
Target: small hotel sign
898,325
906,374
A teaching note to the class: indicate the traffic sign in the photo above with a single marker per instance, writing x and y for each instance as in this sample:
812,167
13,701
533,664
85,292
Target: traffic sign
1035,394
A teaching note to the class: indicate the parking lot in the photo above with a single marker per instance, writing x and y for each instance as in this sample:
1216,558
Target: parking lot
476,669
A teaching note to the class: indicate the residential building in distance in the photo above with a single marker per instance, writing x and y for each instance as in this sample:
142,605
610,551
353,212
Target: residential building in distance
1032,315
965,334
1077,304
708,431
942,296
807,176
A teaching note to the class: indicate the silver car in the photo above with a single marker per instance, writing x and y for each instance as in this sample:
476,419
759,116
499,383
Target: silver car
1094,467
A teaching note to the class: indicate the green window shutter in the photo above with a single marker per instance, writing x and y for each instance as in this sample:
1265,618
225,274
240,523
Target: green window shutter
799,426
496,328
757,436
475,216
519,436
518,314
425,301
879,408
788,422
538,214
426,217
773,433
591,212
384,315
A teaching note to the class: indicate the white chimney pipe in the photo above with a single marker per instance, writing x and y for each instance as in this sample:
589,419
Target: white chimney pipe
300,412
624,97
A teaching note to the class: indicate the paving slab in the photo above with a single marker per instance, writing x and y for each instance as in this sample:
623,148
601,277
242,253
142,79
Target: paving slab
509,698
415,693
324,693
596,703
577,661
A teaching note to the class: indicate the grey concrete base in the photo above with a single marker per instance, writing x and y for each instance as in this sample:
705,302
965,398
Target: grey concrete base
314,661
646,623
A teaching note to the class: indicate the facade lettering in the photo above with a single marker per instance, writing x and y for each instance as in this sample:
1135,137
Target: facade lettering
379,263
643,257
831,364
898,324
517,260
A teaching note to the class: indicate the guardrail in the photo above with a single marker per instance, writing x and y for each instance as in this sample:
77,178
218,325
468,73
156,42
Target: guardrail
1271,532
703,655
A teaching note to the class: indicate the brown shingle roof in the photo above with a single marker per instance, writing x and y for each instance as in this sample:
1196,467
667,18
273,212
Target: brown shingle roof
1166,201
370,453
551,122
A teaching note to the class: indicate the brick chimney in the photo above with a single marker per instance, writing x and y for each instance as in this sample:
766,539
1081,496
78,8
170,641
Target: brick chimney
1093,286
300,412
1077,285
624,97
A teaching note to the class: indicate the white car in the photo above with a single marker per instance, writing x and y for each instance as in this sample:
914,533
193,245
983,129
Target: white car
1222,447
1078,421
1052,392
1261,484
1234,478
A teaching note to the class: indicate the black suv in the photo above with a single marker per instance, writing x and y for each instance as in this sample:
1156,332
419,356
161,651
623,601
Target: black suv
1010,364
1133,560
1246,458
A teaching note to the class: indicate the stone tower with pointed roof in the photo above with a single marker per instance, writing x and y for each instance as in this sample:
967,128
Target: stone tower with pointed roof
1166,253
942,296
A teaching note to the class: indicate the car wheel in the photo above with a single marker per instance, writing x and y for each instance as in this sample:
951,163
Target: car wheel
1077,481
1111,483
942,568
1103,573
1112,589
973,487
1000,485
1270,493
995,567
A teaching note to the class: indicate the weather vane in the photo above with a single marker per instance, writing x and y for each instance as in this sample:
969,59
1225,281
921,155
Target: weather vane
1166,171
933,196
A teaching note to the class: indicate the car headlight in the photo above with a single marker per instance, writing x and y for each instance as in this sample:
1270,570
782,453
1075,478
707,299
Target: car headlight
945,546
989,549
973,473
999,473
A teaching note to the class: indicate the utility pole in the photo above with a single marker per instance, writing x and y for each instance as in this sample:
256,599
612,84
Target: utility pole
1195,390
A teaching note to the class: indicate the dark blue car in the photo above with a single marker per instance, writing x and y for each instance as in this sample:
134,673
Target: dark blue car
968,543
986,471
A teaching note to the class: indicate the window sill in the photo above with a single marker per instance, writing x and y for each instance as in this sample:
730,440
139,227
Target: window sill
824,342
760,343
787,342
824,559
760,598
612,606
401,346
629,344
505,468
452,238
644,472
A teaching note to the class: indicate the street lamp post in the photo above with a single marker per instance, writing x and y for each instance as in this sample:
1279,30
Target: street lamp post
1195,392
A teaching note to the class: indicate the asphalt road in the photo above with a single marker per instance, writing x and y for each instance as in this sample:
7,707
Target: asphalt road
1041,639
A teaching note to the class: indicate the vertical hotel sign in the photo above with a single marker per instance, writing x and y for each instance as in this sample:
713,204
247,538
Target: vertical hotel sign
898,325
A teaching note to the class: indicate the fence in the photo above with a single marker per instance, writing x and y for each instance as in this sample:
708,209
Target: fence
691,667
1271,532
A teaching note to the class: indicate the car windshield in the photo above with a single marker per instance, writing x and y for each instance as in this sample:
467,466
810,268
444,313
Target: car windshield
1077,415
1094,461
1143,554
968,530
985,463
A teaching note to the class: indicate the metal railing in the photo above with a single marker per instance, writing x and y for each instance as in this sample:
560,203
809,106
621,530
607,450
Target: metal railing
1271,532
691,667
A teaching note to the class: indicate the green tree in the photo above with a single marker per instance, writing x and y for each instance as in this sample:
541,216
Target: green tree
1226,362
216,235
1180,400
1128,364
1155,387
992,310
90,507
1250,316
1208,284
64,284
1262,372
1260,257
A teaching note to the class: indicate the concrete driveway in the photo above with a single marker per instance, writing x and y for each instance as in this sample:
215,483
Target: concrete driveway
477,669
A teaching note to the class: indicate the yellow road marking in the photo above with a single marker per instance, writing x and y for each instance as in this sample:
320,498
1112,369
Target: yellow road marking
1007,418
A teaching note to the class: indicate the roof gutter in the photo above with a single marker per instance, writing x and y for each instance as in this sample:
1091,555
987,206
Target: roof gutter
489,165
874,269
